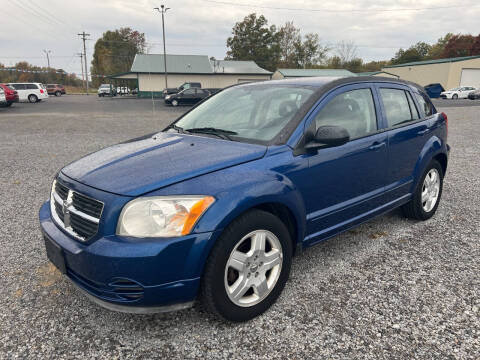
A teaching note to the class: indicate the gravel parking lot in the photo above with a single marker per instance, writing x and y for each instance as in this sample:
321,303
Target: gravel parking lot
392,288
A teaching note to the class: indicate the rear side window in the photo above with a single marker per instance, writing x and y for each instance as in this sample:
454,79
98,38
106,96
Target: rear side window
18,86
397,106
413,108
353,110
426,108
32,86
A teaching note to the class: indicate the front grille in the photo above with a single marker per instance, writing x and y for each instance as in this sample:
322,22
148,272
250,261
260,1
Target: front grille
78,214
89,206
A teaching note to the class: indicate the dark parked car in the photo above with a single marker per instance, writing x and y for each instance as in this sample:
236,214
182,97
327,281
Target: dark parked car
434,90
187,97
11,95
214,206
474,95
184,86
56,89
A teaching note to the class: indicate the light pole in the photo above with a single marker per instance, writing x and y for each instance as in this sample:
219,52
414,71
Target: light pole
163,10
47,52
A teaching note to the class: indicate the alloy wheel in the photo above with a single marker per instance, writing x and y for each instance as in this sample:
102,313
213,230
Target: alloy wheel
253,268
430,190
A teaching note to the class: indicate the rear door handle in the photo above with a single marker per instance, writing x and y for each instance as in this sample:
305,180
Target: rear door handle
423,132
376,145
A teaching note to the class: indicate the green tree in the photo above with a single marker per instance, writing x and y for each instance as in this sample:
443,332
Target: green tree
311,52
437,49
291,47
114,52
417,52
254,40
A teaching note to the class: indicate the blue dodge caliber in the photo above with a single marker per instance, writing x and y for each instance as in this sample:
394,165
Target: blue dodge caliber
214,206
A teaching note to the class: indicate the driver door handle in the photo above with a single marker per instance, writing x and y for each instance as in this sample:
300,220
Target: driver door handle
376,145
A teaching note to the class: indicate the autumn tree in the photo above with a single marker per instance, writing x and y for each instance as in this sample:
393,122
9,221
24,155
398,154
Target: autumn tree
114,52
458,45
253,39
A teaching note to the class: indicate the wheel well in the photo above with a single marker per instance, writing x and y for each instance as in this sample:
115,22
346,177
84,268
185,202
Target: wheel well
286,216
442,159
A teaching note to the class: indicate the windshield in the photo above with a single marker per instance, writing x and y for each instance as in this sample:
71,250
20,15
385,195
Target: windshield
254,112
455,89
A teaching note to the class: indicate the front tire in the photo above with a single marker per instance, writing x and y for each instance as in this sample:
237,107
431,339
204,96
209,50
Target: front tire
248,267
58,93
454,96
427,195
32,98
174,103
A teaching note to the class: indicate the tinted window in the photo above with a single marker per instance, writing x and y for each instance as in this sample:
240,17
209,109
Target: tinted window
32,86
353,110
426,108
189,92
18,86
397,108
50,86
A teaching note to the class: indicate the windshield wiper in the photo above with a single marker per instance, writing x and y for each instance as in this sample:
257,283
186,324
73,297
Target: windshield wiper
224,134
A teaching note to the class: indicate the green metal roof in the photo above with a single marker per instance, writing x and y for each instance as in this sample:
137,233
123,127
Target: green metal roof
238,67
369,73
436,61
176,64
315,72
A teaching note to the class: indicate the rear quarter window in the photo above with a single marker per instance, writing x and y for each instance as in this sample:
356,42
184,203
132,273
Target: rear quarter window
398,107
32,86
426,107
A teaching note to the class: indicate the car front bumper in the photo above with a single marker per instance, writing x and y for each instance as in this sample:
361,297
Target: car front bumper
127,274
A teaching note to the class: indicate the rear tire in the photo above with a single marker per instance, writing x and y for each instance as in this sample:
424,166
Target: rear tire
32,98
427,190
262,270
58,93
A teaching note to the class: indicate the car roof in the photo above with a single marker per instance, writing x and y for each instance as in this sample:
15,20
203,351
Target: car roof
334,81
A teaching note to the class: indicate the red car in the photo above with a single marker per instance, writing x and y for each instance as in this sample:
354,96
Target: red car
11,95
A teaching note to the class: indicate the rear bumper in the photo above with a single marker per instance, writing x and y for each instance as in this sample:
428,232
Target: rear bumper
132,275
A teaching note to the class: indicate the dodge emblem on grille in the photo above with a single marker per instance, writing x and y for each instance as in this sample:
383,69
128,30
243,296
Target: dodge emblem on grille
66,212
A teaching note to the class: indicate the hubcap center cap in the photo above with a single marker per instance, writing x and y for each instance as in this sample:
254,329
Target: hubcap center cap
254,267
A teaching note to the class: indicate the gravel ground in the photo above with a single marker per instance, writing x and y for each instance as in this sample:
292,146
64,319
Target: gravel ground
391,288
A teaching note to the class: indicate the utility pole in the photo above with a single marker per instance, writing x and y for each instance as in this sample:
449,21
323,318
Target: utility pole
163,10
84,38
81,61
48,57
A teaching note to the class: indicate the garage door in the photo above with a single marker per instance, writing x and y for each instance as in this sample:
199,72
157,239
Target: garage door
470,77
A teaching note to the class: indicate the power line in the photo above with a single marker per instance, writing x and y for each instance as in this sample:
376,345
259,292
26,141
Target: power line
335,10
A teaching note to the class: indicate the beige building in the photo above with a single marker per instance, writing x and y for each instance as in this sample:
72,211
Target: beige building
149,71
451,73
299,73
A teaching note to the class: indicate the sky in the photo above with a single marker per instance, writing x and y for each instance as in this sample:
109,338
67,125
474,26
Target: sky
201,27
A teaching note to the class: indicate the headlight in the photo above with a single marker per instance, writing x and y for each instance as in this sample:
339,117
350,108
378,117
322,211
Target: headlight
167,97
162,216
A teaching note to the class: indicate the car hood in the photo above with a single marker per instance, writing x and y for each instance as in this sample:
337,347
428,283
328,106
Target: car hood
145,164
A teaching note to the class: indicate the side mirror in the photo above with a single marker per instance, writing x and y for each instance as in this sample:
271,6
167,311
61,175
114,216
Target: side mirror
329,136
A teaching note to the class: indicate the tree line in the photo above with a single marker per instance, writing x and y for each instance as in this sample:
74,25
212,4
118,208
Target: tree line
273,47
25,72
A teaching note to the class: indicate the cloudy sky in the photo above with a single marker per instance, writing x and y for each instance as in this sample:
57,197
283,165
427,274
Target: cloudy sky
201,27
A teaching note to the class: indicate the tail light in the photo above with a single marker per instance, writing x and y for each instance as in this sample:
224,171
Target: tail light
446,121
41,91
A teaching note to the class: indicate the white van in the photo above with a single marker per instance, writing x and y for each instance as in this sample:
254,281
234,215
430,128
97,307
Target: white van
32,92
